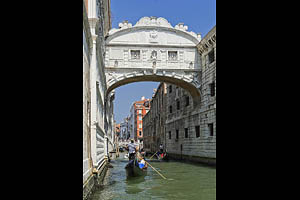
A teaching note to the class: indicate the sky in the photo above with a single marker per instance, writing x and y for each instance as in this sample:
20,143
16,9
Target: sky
198,15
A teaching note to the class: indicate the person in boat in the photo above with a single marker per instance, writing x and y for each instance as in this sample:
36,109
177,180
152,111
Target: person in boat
161,148
131,150
161,151
142,163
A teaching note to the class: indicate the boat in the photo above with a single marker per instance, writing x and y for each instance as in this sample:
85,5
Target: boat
133,170
160,158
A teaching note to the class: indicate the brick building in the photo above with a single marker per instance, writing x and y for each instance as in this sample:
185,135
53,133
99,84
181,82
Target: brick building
138,111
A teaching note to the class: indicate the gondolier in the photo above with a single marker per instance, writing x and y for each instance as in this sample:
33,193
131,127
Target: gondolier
131,149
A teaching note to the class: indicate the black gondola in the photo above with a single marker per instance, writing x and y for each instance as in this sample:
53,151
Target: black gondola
133,169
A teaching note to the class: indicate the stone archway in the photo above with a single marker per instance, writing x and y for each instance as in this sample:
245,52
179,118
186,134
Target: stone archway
153,50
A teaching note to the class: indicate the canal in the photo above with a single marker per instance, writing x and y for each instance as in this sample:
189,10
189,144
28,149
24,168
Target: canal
184,181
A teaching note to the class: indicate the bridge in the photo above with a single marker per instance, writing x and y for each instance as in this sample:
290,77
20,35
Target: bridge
153,50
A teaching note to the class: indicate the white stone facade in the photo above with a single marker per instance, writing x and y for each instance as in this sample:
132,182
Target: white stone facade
98,131
87,45
153,50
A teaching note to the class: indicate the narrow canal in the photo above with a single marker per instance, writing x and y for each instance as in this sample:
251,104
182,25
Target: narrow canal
184,181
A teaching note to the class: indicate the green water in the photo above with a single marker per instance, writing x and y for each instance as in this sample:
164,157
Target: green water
184,181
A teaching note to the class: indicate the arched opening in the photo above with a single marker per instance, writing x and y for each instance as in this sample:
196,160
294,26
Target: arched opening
194,92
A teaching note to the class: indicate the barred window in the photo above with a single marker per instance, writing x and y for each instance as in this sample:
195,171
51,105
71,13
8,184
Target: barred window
187,100
135,54
172,55
186,132
197,129
212,89
211,129
211,56
178,105
170,109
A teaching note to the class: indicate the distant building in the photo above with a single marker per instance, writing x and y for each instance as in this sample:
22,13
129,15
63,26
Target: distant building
137,111
154,120
124,132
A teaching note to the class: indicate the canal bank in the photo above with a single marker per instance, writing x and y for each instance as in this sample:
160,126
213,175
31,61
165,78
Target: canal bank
184,181
193,159
95,181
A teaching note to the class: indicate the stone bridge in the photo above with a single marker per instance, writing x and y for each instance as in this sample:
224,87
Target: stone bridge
153,50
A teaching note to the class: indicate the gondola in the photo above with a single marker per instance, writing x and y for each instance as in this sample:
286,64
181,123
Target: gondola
159,158
133,170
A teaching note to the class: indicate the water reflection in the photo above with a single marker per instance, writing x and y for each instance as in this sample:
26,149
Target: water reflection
133,185
184,181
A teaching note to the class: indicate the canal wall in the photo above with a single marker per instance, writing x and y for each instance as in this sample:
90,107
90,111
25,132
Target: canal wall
94,180
194,159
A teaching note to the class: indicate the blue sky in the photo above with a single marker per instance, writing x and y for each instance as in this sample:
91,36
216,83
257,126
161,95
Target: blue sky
198,15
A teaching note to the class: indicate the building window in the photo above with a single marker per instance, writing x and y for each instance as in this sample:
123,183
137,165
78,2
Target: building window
172,55
170,109
140,125
212,89
178,105
186,132
187,101
169,134
139,111
177,133
140,133
135,54
211,56
170,89
140,118
211,129
197,129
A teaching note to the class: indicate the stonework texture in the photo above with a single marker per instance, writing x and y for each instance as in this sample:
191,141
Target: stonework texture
98,124
188,131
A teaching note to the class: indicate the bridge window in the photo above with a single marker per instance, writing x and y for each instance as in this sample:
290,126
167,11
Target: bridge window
135,54
172,55
140,133
211,56
197,129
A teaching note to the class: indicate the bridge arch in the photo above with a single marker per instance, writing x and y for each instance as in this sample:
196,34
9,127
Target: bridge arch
153,50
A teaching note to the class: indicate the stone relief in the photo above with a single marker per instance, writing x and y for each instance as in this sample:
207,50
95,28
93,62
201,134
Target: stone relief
154,55
153,36
116,63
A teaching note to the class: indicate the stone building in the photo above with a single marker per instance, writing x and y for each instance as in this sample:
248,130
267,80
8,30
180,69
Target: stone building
124,132
189,131
98,131
87,53
154,120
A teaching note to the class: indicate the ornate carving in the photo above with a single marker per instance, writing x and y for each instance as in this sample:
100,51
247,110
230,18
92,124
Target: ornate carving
154,55
116,63
196,80
153,36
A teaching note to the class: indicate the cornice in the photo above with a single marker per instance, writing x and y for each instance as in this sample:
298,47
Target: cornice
150,23
208,41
